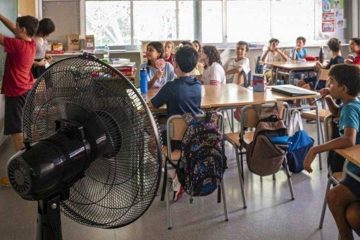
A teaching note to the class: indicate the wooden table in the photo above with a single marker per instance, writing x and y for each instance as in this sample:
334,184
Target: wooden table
351,154
289,67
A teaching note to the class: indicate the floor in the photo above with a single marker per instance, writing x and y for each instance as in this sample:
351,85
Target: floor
270,213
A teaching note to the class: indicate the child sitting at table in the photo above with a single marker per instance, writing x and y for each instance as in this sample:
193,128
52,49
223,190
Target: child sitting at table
343,199
214,73
299,52
183,95
237,69
354,46
159,74
169,52
272,54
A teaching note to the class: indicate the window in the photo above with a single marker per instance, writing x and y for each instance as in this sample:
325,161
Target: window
211,21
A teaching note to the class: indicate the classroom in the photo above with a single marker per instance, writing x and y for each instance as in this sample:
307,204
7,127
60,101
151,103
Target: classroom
180,119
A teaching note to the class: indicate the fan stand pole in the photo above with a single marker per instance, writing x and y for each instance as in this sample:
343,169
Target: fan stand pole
49,222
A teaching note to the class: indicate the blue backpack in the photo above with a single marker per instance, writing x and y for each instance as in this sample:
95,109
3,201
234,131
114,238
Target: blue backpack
202,163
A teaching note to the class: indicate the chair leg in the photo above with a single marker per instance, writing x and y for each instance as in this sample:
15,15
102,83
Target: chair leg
241,178
224,200
289,178
324,205
168,210
274,177
165,179
241,162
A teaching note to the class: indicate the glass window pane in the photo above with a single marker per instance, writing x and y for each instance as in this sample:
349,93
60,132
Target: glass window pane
186,20
154,20
211,21
248,20
291,19
109,21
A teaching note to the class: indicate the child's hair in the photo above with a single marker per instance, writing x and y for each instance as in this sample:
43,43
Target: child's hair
301,39
212,53
347,75
169,43
186,43
334,44
159,47
29,23
46,26
186,58
198,43
239,43
356,41
275,40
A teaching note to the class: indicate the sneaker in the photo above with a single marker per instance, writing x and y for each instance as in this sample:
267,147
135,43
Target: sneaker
4,181
178,194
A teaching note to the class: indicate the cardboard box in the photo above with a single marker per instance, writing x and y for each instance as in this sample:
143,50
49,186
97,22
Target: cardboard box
89,43
258,83
73,42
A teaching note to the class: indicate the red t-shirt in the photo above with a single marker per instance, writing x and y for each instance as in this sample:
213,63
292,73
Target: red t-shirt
357,60
20,55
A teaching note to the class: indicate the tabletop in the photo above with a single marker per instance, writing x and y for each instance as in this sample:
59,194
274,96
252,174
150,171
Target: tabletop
352,154
294,65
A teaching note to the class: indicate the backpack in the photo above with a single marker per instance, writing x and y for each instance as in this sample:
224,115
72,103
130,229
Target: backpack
202,161
264,155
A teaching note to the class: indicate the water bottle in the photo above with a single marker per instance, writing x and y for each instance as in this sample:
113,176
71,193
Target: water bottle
106,58
321,55
143,81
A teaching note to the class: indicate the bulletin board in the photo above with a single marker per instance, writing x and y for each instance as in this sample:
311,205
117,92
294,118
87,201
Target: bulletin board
332,19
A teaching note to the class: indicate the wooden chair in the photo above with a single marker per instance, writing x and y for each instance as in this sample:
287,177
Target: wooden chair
333,177
176,127
311,115
323,75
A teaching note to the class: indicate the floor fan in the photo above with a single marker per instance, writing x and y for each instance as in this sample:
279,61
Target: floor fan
88,132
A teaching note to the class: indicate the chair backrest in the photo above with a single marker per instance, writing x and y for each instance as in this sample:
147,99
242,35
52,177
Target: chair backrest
322,75
259,68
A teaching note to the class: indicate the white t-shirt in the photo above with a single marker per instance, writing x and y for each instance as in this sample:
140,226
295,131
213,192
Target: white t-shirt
41,45
231,64
214,73
272,57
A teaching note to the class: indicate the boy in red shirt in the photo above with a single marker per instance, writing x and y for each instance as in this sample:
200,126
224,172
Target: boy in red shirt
18,79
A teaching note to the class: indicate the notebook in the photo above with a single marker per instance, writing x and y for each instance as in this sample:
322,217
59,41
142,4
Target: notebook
291,90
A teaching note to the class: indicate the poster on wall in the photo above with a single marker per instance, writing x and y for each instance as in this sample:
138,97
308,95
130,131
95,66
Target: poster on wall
328,27
332,19
328,17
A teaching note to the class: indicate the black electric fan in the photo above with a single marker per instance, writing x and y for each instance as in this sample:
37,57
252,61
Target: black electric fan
88,148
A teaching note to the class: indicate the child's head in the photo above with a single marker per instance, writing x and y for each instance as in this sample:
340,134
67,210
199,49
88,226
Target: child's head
300,42
169,48
197,45
154,51
344,79
241,49
186,59
26,26
334,45
273,43
209,55
46,27
354,45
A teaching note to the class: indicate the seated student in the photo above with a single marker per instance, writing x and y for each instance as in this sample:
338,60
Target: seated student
237,69
46,27
299,52
183,95
157,77
272,54
334,45
214,73
343,199
169,52
354,47
199,69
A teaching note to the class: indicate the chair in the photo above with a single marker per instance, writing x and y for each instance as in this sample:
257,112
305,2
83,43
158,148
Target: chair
240,140
311,115
176,127
333,177
323,75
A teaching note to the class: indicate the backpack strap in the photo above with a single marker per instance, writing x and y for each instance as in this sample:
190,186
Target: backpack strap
210,117
188,117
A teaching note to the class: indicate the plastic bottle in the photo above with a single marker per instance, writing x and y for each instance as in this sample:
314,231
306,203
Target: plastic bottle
106,58
321,55
143,81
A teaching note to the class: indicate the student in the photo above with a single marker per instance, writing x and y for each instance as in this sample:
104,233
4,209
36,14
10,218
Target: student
354,46
237,69
46,27
17,79
199,69
343,199
157,77
299,52
183,95
272,54
334,45
169,52
197,45
214,73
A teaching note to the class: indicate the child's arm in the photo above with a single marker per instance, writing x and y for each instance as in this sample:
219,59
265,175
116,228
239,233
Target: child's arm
348,140
293,57
265,54
333,107
9,24
282,54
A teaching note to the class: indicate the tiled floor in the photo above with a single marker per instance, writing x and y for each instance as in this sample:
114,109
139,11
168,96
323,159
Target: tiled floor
270,213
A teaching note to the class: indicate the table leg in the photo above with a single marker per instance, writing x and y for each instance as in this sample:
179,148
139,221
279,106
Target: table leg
318,132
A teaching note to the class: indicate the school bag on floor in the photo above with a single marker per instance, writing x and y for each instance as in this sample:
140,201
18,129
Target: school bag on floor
202,163
299,143
265,155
